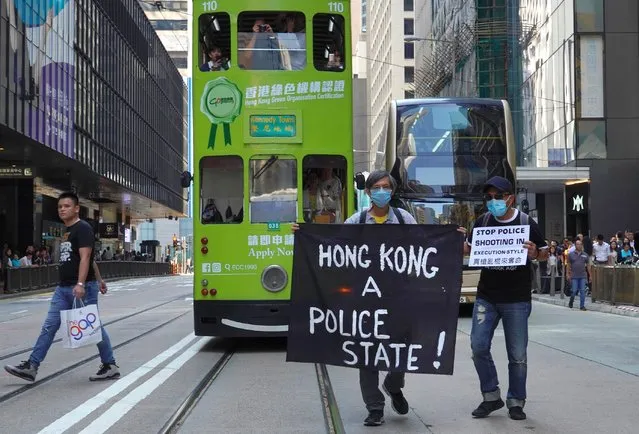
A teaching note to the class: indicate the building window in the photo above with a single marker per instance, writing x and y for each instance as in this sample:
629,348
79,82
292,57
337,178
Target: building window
409,74
363,16
409,94
173,25
409,5
589,15
590,79
409,26
591,139
409,50
179,58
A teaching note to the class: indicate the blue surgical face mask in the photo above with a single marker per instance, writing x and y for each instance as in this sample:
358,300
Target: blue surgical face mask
380,197
497,207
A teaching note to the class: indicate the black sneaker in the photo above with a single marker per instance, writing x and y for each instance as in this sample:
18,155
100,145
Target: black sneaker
398,402
487,407
582,308
516,413
106,372
24,370
375,418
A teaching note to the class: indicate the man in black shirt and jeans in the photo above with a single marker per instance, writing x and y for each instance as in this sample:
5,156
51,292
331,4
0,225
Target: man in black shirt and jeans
78,274
503,293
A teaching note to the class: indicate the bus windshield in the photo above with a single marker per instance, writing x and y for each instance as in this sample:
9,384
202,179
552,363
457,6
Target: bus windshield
451,147
445,210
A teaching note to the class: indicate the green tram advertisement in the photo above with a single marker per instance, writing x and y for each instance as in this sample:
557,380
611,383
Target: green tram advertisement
272,140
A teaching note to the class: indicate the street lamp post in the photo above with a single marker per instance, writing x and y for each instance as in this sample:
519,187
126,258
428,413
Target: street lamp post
418,39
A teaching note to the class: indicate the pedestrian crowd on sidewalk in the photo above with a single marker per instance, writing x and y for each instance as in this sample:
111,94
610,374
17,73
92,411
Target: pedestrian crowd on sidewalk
572,261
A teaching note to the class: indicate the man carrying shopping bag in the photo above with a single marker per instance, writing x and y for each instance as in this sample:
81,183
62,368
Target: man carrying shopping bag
79,277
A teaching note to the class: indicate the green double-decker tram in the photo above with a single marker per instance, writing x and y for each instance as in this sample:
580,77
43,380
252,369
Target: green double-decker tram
272,140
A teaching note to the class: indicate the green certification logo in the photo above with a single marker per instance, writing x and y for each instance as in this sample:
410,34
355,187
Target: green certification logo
221,103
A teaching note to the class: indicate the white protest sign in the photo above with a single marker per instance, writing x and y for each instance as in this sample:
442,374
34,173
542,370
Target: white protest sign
499,246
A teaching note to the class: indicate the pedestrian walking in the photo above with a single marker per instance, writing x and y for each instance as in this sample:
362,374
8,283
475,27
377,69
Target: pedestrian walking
503,293
79,279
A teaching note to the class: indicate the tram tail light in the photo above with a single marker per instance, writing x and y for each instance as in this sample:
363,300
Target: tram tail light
205,291
204,240
205,250
213,292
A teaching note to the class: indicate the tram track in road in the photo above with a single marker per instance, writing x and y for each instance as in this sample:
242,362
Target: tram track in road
56,374
332,418
117,320
330,410
180,415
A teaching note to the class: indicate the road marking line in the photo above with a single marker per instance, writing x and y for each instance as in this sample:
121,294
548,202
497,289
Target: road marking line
124,405
82,411
18,312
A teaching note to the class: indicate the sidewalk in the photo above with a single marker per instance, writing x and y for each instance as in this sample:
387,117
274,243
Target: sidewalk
597,306
32,292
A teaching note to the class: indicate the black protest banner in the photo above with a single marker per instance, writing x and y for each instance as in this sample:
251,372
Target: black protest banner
384,297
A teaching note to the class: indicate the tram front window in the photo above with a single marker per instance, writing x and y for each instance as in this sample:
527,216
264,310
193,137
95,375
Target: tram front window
273,189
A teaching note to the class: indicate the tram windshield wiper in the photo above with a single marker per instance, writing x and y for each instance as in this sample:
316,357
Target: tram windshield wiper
266,166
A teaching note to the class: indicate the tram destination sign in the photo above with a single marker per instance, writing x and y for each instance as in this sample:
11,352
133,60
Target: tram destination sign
382,297
273,126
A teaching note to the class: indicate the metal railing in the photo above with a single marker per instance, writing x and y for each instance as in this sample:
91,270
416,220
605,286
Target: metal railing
616,284
31,278
554,280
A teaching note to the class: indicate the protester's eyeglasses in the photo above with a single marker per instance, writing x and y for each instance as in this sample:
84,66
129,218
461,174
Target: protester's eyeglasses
498,196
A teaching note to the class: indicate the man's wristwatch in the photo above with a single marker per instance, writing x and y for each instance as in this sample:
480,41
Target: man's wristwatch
80,283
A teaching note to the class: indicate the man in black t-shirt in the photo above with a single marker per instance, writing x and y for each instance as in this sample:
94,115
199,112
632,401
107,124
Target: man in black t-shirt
79,279
503,293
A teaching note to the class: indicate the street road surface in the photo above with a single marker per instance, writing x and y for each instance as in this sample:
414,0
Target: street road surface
583,372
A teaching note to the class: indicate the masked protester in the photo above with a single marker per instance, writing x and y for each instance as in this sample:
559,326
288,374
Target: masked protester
380,186
503,293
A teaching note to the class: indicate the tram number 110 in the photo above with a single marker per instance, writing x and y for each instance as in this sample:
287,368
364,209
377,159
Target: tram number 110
210,6
336,7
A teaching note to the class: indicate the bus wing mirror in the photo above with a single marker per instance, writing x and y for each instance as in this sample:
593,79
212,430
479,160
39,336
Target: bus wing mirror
360,181
185,179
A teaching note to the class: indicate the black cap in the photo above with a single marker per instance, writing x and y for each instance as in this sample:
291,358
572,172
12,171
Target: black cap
501,184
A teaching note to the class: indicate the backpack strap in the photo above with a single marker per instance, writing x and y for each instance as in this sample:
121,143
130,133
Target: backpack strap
400,217
362,217
484,221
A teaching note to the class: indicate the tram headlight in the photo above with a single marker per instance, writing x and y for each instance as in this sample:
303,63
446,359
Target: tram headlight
274,278
205,282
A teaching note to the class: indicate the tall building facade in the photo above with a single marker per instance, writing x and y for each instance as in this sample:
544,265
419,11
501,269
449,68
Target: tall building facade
581,105
568,69
390,69
89,101
170,20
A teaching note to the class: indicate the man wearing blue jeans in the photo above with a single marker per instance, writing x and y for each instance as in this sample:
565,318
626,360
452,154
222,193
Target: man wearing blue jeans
578,271
79,277
503,293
